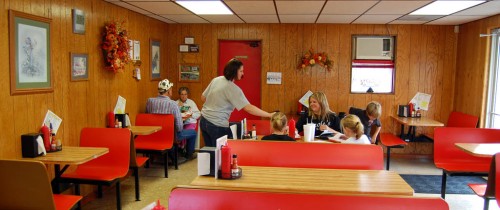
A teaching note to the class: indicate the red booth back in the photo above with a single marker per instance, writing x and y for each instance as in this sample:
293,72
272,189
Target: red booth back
308,155
163,139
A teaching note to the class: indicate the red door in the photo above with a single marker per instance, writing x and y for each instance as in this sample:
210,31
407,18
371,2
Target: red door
248,52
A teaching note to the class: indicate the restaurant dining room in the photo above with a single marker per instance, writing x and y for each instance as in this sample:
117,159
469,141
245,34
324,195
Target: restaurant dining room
249,104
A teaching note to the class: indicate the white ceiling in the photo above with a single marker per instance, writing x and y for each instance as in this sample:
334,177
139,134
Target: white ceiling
311,11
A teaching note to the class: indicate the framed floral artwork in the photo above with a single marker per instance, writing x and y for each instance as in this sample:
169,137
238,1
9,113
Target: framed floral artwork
155,60
30,54
79,67
189,73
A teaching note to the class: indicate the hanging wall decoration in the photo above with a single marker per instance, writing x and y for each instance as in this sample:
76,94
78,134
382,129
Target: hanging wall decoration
115,46
311,58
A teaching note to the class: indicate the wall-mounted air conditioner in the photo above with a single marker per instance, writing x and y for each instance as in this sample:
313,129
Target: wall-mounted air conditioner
373,47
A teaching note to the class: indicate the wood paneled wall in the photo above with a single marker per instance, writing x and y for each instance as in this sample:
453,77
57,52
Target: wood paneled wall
425,62
473,66
79,104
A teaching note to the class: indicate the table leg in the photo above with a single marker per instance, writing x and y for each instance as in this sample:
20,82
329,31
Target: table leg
413,133
402,134
55,182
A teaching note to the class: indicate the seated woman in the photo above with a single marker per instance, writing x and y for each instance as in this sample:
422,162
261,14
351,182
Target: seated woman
353,131
189,111
280,128
319,114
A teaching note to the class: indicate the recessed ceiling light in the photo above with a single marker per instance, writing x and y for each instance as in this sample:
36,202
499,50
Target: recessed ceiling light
206,7
445,7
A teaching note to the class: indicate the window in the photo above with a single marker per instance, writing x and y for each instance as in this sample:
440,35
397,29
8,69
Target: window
493,103
373,65
377,75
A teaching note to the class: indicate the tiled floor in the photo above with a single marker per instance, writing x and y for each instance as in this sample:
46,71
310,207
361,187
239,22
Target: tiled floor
154,186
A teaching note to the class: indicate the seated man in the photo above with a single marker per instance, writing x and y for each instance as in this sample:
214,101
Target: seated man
164,105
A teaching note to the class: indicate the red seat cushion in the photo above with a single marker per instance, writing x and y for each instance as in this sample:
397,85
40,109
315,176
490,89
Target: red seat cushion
158,141
65,202
479,189
101,173
390,140
141,161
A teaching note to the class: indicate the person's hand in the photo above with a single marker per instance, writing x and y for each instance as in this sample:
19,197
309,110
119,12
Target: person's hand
179,103
344,137
323,127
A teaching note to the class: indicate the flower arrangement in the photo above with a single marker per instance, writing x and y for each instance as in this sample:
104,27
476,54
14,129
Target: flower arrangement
115,46
310,58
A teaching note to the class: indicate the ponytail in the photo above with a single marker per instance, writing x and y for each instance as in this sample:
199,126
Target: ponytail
354,123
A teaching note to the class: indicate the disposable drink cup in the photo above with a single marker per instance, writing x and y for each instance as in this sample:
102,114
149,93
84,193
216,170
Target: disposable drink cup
309,132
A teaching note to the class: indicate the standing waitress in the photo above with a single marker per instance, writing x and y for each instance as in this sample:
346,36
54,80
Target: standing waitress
220,98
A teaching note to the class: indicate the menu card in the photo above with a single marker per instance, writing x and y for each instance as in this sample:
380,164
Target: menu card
56,121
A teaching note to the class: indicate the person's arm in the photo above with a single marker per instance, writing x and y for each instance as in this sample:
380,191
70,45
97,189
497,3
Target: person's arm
203,98
194,110
253,110
177,119
375,134
301,122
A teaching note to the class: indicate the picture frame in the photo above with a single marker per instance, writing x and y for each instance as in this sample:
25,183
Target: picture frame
189,73
155,59
183,48
194,48
79,66
78,21
29,53
188,40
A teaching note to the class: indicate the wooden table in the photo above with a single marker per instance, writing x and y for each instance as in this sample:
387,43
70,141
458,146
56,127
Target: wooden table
138,131
68,156
311,180
413,123
480,150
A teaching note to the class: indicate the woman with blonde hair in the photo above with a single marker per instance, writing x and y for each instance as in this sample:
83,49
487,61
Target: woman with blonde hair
353,130
319,114
279,124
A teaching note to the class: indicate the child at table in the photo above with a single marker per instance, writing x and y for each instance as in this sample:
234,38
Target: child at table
280,128
369,117
353,131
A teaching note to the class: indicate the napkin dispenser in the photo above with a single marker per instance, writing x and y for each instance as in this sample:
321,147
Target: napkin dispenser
122,118
211,151
403,110
29,145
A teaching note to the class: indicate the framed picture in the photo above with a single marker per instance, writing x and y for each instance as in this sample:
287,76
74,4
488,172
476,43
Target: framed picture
183,48
189,73
78,21
29,51
194,48
189,40
79,66
155,59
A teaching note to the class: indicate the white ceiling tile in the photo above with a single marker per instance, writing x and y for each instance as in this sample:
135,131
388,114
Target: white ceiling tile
185,18
222,18
299,7
298,18
488,8
396,7
336,18
131,7
347,7
161,18
455,20
418,22
260,18
376,19
252,7
162,8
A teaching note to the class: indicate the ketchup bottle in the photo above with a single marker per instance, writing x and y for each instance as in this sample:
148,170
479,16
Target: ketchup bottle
291,128
111,119
46,137
226,162
410,110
